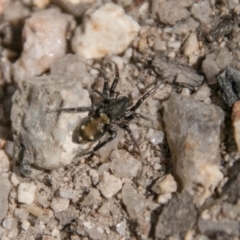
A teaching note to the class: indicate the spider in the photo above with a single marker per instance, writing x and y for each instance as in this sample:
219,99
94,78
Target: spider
111,110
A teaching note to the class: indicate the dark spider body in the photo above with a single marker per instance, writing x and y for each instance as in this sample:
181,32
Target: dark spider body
111,110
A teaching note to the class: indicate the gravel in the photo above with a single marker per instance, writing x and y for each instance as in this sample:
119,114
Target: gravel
184,183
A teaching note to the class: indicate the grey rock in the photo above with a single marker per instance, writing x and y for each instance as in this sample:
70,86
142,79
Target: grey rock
176,73
177,217
209,227
94,234
42,138
124,165
202,11
5,186
231,190
215,62
224,28
134,202
66,193
67,216
92,198
171,11
109,185
193,134
229,81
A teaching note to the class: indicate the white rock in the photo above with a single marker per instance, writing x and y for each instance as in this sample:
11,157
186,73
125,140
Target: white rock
94,234
191,45
154,136
66,193
59,204
109,185
14,179
203,93
26,193
4,162
202,11
94,176
121,228
9,223
107,31
25,225
45,41
41,3
166,184
164,198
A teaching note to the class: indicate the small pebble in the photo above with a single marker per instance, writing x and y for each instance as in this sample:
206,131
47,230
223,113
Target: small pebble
66,193
26,193
121,228
59,204
109,185
191,45
25,225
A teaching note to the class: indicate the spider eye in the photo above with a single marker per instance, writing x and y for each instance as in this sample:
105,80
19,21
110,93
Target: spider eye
80,139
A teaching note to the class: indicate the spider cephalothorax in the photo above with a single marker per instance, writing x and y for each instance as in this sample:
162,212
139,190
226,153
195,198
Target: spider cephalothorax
112,109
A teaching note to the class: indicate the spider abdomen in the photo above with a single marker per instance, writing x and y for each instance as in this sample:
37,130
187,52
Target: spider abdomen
93,127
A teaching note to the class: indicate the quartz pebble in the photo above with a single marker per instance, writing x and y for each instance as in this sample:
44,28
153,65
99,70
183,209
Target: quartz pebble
59,204
166,184
94,234
65,193
202,11
45,41
109,185
121,228
108,30
155,137
26,193
191,45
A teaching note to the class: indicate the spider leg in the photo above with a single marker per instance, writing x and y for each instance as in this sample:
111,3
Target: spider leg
98,93
112,134
129,131
115,81
105,91
77,109
140,101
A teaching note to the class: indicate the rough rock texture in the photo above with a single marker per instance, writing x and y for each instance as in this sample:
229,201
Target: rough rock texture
211,228
124,165
5,187
109,185
171,11
231,190
44,138
44,34
177,217
176,73
134,202
108,30
193,134
26,193
215,62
